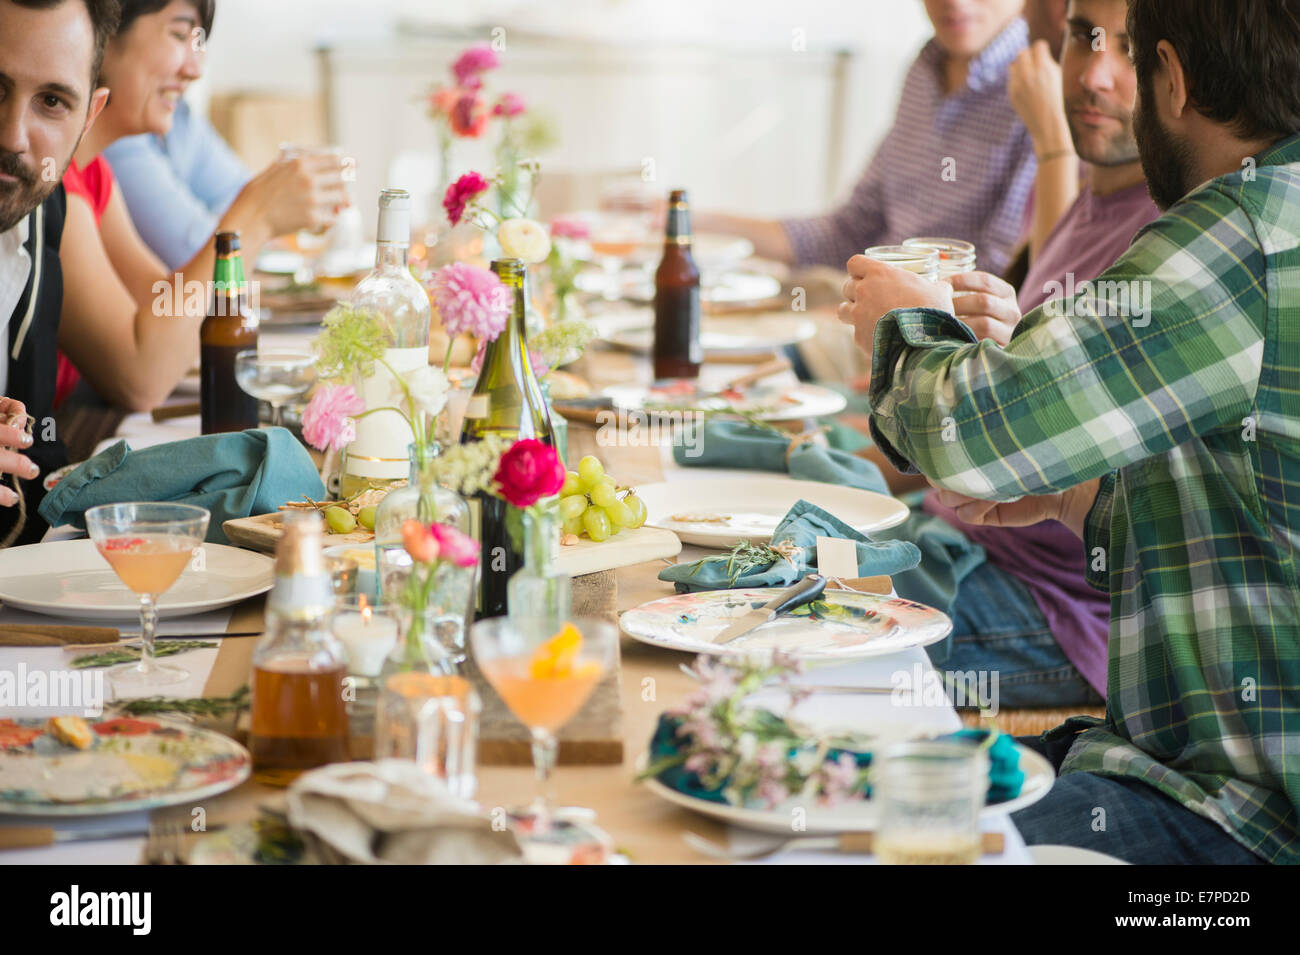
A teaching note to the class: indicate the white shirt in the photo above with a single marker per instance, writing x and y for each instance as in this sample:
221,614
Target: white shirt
15,269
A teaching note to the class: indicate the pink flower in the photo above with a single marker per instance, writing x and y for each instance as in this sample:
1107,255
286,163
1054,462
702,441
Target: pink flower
461,193
461,549
419,542
536,360
509,105
327,419
470,116
529,471
475,60
570,227
471,299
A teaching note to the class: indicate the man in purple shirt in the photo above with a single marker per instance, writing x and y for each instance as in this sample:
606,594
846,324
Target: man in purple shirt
957,161
1027,611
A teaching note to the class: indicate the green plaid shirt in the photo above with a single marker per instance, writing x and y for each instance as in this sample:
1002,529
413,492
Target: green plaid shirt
1176,379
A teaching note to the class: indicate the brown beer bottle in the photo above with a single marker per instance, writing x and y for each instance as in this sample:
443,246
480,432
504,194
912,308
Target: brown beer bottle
231,327
677,351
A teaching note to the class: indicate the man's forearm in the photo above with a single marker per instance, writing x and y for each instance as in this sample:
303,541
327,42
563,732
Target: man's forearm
769,238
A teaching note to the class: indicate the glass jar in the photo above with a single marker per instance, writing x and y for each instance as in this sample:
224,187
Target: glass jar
955,255
930,794
923,261
539,596
434,721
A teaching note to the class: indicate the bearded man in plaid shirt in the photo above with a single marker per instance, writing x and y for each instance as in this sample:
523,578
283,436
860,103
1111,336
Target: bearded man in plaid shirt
1157,413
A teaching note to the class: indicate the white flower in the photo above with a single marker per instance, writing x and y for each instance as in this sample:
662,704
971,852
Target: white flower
429,387
524,239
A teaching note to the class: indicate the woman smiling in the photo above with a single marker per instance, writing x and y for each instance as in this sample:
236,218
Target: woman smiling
131,345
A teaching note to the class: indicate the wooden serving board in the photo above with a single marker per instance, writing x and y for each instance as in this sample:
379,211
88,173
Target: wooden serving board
595,735
261,533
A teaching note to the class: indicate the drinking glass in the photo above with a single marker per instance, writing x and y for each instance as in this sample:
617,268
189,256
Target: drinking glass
930,794
148,546
955,255
544,681
922,261
310,244
614,238
275,376
432,720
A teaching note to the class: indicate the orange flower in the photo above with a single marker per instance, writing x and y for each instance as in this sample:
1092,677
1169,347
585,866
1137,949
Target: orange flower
419,542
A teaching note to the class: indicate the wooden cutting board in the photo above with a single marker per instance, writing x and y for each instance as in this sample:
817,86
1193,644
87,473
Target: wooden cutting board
261,533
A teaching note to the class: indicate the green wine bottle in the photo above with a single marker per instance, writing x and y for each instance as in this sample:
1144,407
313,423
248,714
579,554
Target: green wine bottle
507,401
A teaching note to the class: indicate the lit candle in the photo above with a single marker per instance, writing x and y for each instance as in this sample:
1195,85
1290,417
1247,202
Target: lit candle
367,639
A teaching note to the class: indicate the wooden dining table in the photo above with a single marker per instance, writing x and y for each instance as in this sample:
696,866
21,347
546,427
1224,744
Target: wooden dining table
644,827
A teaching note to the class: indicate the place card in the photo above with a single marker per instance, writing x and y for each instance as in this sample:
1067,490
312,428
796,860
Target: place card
837,557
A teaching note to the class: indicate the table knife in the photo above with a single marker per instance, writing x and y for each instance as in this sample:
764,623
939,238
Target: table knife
805,591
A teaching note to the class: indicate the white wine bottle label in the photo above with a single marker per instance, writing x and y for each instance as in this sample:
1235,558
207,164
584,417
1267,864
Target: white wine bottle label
383,439
478,407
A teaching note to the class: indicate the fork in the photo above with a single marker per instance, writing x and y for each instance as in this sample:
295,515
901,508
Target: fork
991,843
165,845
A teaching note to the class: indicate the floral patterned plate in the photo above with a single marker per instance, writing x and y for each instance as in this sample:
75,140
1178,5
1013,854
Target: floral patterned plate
843,625
131,764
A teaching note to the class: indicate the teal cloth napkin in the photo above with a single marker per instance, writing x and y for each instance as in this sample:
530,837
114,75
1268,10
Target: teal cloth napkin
801,526
1006,778
738,444
947,557
233,475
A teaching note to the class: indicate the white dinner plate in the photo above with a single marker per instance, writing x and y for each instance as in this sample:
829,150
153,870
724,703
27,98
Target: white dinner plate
722,287
754,333
710,250
71,579
856,816
764,402
721,512
841,625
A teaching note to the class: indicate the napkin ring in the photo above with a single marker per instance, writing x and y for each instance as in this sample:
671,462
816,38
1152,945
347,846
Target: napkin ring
800,440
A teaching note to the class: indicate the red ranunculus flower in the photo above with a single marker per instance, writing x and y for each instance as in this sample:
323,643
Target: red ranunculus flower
461,193
529,471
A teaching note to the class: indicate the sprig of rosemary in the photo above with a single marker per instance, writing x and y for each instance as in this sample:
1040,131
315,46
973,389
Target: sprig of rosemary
199,706
132,654
747,556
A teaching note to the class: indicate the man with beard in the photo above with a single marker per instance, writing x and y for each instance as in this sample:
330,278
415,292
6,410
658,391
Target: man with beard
50,53
1027,612
1155,413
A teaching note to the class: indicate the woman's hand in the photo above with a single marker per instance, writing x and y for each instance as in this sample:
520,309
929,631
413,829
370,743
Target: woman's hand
12,462
306,192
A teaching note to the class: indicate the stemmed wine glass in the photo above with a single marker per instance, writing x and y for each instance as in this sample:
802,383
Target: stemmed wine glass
544,680
615,237
148,546
275,376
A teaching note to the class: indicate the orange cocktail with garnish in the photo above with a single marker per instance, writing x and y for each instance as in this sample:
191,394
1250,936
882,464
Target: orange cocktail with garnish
148,546
544,680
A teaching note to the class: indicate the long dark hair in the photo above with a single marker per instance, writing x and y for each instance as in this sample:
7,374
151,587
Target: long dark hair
134,9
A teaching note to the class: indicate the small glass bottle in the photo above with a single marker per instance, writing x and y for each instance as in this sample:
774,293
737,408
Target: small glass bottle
423,499
540,597
299,716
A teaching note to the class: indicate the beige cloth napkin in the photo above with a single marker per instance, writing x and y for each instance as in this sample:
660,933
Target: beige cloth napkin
392,812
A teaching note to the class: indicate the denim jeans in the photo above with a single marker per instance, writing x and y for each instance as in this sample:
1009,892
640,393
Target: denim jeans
1123,817
997,627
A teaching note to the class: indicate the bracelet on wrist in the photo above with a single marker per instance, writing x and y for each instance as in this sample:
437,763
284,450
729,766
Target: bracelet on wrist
1055,154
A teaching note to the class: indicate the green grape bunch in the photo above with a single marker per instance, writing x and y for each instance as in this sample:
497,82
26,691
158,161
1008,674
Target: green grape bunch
590,503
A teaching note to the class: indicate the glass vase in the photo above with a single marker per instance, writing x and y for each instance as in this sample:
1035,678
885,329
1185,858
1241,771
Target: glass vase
539,595
430,603
422,499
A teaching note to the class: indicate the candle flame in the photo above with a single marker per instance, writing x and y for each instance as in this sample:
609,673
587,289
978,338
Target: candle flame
365,608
